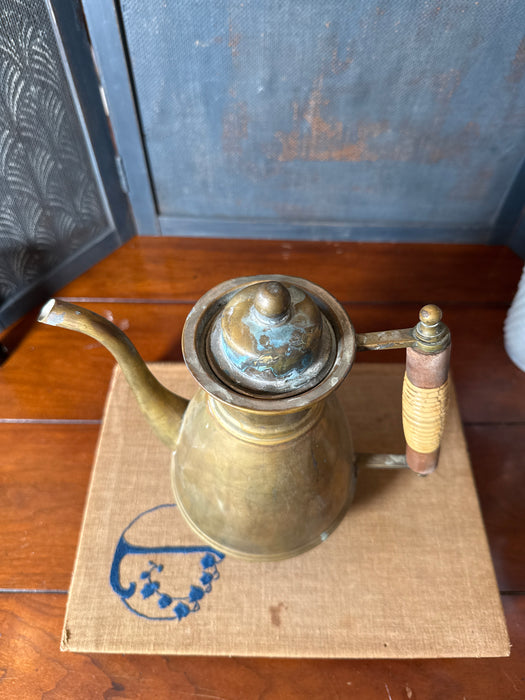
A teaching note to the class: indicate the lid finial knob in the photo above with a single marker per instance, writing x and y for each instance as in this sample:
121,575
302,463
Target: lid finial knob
273,301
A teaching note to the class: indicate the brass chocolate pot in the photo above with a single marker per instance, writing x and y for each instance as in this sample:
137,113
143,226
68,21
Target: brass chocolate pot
262,460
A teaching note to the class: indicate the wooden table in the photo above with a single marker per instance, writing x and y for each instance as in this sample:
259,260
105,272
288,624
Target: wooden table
53,386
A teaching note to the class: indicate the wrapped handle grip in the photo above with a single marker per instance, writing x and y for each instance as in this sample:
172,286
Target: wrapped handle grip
425,391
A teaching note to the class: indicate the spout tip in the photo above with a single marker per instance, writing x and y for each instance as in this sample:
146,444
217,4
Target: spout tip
45,315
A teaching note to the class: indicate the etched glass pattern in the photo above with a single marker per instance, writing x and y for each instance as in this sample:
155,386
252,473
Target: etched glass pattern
50,203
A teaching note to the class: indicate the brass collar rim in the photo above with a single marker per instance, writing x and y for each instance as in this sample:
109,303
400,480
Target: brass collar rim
198,324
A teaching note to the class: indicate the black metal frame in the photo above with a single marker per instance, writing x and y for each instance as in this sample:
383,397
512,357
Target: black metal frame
73,33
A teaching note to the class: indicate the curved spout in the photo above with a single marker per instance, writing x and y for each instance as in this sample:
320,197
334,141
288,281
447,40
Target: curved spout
162,408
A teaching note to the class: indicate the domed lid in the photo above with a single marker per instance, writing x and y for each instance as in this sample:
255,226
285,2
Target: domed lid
262,338
271,338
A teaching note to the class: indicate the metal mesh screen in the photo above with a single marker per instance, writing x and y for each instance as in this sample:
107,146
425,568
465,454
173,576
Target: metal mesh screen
51,205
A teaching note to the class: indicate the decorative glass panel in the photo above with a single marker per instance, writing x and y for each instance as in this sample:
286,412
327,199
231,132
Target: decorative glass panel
52,206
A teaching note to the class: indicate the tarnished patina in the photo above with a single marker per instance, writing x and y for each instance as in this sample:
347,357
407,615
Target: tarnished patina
262,464
271,338
226,343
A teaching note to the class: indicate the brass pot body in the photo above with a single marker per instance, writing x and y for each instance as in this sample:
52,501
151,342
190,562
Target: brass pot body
263,485
263,465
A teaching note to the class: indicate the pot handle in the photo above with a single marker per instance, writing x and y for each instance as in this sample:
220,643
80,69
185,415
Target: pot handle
425,390
425,387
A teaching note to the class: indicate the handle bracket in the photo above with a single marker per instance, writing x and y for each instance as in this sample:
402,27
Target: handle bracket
429,336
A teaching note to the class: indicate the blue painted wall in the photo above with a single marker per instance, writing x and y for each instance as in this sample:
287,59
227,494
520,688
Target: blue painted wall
384,113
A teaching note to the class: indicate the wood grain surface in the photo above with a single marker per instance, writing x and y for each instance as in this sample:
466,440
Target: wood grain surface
43,485
183,269
32,667
53,386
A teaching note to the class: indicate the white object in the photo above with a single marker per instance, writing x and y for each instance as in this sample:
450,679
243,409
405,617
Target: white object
514,328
